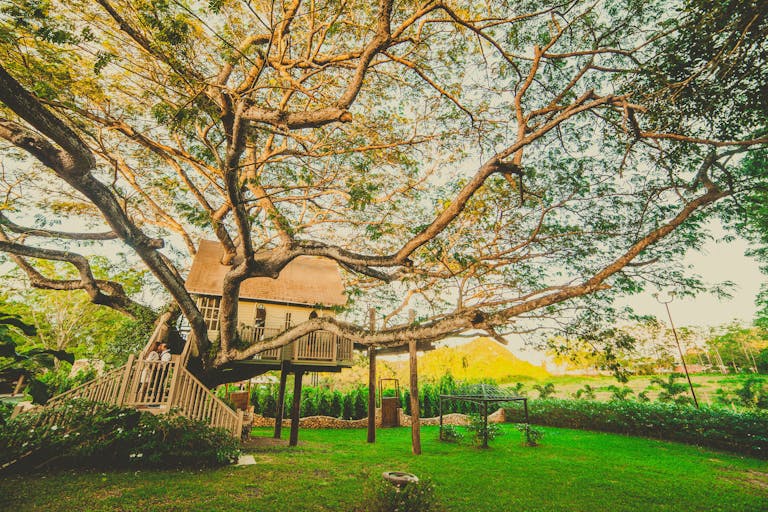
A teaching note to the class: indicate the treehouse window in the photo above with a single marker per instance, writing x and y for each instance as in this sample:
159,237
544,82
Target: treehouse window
209,307
287,319
260,317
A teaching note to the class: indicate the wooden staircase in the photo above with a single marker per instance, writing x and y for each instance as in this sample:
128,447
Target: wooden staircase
158,387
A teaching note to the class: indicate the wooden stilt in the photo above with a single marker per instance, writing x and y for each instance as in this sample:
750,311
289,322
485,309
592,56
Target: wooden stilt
294,437
372,383
281,400
415,421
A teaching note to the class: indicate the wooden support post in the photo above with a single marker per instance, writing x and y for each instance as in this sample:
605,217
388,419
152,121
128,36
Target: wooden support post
294,437
281,400
372,383
485,424
415,422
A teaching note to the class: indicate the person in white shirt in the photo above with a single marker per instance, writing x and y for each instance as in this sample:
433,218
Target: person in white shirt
147,373
165,352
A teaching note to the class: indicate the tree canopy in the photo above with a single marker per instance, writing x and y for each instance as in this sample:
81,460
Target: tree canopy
489,165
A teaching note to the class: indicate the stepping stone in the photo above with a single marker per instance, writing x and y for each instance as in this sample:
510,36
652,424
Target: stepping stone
245,460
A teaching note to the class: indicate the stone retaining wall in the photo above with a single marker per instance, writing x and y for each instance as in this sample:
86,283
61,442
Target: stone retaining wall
405,421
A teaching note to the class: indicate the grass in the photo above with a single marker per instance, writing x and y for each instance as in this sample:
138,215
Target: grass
571,471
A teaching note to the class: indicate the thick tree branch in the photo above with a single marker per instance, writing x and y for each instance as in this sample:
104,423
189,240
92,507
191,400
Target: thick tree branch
75,169
106,293
475,318
5,222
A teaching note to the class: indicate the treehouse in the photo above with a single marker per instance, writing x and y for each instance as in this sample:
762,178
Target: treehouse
307,287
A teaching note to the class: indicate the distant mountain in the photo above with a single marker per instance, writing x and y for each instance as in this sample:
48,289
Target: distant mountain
481,358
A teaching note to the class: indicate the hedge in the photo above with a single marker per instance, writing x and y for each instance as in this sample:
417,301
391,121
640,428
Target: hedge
741,432
353,403
85,434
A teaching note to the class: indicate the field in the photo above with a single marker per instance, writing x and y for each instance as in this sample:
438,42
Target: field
329,471
705,385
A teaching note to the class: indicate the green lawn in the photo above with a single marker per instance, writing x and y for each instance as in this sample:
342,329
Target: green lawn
572,471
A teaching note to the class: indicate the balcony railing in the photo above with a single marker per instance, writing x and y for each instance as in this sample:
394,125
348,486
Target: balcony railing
318,346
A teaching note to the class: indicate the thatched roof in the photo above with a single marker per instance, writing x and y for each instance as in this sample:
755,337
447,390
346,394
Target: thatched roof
306,280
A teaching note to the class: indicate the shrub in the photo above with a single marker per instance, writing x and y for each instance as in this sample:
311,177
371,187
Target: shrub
620,393
545,390
673,391
419,496
269,406
348,407
451,434
324,402
742,432
360,407
519,389
82,433
586,393
308,404
531,436
336,405
6,409
479,429
751,392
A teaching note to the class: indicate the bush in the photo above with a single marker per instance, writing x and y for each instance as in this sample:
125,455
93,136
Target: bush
269,406
545,390
451,434
742,432
347,410
419,496
479,429
751,392
82,433
336,405
6,409
531,436
673,391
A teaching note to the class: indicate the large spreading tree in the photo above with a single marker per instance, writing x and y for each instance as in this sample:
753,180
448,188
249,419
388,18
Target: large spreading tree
490,164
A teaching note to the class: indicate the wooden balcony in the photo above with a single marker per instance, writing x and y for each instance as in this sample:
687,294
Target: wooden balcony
319,348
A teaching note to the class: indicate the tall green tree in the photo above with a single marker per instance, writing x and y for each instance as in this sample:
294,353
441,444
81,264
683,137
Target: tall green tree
490,164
